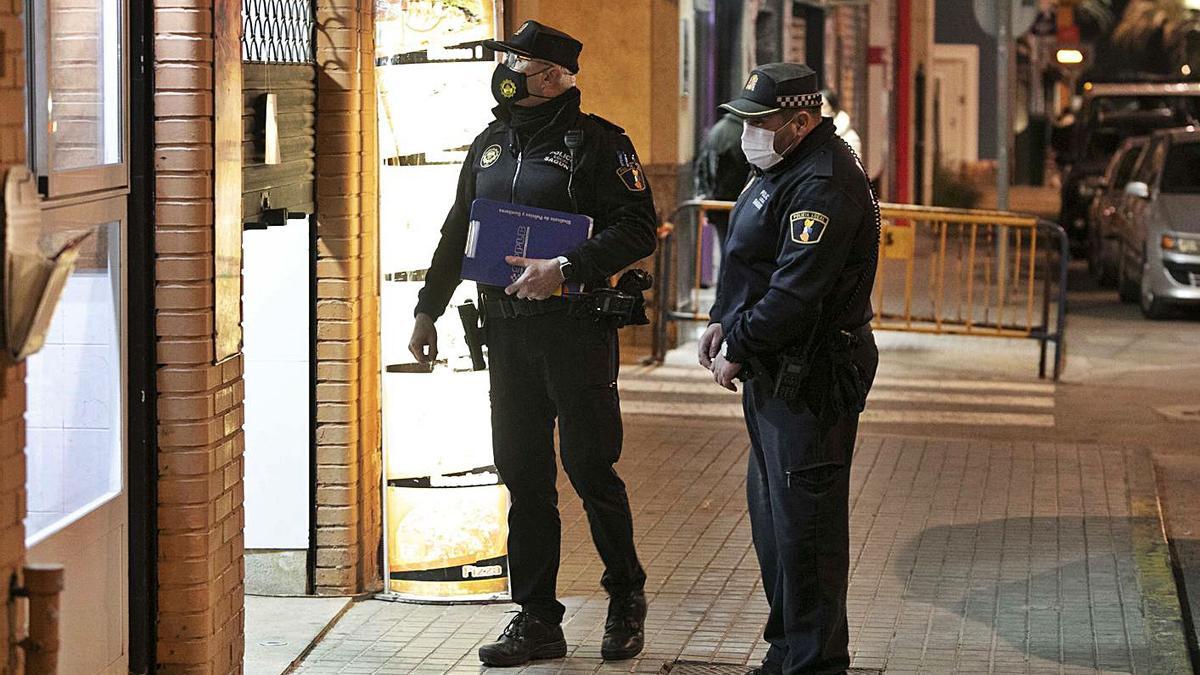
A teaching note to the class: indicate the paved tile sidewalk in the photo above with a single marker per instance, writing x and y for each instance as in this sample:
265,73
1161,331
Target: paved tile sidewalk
968,556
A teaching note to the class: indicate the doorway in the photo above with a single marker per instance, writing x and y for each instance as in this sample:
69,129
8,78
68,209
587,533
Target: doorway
956,92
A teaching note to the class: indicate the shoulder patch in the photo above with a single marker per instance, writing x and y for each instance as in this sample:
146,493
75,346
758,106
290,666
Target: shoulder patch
630,172
807,226
606,124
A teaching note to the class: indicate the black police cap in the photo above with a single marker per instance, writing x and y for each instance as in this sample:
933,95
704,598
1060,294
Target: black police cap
536,41
774,87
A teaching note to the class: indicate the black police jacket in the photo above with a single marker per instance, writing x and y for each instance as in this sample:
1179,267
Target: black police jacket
802,239
608,185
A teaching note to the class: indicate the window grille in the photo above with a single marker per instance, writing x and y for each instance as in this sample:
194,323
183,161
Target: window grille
277,31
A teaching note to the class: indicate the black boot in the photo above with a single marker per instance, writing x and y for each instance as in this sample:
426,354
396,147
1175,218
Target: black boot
527,638
624,630
767,668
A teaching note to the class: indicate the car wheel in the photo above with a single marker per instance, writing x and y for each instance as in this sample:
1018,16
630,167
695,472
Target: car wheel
1152,308
1127,290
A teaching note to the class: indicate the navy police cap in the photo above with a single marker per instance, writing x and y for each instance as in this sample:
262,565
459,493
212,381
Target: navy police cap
774,87
536,41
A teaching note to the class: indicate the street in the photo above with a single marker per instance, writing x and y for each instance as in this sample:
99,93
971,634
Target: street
1000,523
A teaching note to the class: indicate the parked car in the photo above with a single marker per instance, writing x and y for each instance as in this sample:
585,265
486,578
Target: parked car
1159,251
1109,192
1110,114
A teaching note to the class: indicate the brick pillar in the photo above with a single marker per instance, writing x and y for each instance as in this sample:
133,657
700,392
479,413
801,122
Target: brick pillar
12,464
347,307
370,420
200,517
12,375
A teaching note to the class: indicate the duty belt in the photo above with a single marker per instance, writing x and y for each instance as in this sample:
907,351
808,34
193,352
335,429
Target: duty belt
504,307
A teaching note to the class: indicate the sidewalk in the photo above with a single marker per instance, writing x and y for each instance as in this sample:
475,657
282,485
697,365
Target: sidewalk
967,556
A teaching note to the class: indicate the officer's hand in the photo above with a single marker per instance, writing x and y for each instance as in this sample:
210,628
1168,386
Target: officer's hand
724,372
710,345
424,336
541,279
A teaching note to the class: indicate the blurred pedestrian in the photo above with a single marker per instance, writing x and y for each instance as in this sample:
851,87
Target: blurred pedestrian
721,171
831,107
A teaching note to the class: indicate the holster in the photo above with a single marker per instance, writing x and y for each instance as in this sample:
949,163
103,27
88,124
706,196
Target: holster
821,377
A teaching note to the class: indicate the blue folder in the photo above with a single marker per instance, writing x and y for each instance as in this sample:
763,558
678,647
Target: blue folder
499,229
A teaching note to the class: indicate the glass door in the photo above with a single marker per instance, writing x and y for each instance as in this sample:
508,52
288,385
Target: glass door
76,447
75,444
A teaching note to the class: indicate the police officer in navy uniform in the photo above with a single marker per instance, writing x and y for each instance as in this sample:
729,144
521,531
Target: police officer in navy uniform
793,307
546,362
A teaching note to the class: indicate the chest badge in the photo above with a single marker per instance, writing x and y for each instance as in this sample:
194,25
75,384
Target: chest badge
490,155
807,226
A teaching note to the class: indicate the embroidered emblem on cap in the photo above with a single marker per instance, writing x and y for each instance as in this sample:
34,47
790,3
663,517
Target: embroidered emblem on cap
807,226
752,82
508,88
490,155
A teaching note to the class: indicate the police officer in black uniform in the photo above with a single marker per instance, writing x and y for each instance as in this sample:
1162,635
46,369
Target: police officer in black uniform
792,319
547,361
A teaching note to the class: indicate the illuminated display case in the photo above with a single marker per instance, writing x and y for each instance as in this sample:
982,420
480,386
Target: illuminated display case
445,512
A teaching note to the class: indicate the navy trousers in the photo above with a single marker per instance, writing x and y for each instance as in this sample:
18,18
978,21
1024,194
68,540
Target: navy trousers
798,489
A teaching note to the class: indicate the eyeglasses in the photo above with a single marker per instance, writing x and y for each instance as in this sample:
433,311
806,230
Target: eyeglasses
522,64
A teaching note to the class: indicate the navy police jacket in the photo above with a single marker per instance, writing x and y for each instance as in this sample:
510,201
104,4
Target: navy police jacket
802,238
608,184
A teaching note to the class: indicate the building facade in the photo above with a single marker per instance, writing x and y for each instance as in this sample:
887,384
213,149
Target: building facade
207,414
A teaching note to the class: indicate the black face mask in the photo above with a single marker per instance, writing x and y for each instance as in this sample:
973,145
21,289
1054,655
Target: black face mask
509,86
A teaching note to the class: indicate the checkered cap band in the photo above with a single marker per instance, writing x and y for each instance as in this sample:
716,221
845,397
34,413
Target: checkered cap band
799,100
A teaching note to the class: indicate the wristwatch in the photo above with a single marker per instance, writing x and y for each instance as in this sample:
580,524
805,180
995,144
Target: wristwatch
564,267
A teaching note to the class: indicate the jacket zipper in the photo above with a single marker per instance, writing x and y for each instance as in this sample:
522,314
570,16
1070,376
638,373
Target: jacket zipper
512,193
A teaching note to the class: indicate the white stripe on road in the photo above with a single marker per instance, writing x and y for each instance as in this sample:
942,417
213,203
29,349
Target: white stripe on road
965,385
711,388
734,411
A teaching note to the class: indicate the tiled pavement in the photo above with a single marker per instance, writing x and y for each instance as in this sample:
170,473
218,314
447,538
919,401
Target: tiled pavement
968,556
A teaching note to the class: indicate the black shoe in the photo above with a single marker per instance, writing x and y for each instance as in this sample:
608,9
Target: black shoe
766,669
527,638
624,630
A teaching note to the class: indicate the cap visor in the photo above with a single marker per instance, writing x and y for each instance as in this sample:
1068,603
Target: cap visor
743,107
499,46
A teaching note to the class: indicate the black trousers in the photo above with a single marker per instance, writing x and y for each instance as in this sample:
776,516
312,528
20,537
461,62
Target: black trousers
544,368
798,489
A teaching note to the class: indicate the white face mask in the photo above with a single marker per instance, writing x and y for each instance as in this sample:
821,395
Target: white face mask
759,146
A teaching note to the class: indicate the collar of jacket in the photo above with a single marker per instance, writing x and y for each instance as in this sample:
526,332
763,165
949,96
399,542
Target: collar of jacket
568,110
815,139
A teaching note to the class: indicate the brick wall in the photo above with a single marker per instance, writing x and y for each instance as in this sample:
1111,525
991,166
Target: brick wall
200,620
12,375
347,301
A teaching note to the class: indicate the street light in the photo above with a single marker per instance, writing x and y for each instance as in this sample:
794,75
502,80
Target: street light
1069,57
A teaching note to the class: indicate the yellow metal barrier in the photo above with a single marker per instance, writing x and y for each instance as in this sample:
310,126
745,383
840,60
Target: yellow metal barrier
940,271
